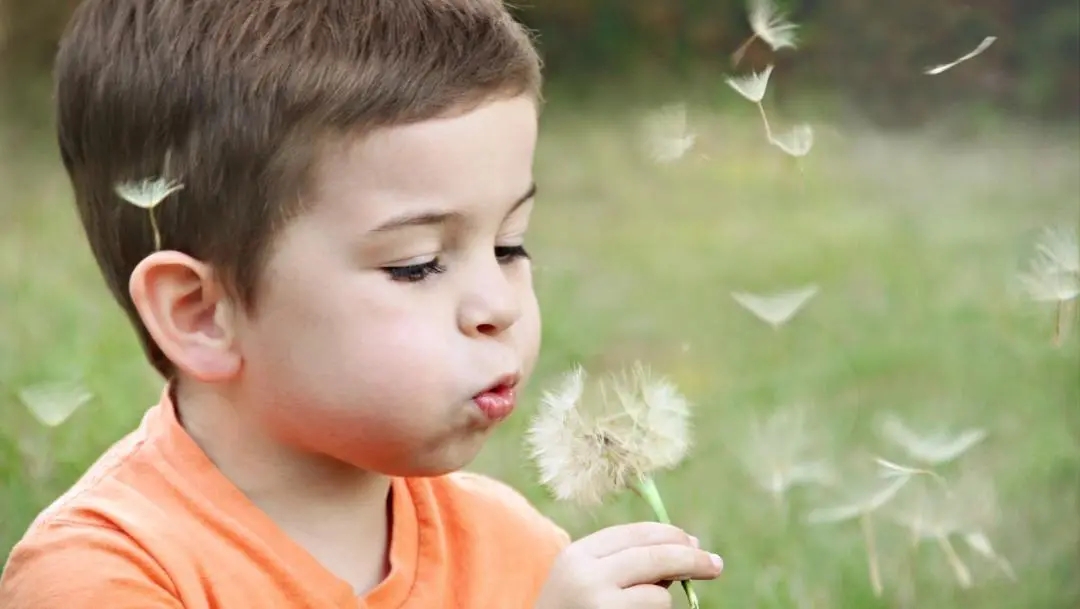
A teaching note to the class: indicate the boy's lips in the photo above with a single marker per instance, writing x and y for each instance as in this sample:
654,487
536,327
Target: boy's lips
499,399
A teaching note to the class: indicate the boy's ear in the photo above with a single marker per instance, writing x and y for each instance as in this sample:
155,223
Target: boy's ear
187,313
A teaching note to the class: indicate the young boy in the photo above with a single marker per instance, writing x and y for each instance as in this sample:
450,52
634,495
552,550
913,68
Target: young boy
341,304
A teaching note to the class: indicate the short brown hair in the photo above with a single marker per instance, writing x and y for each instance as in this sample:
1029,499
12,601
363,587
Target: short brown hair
239,95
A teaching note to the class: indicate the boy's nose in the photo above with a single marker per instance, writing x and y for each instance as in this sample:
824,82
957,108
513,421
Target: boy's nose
490,306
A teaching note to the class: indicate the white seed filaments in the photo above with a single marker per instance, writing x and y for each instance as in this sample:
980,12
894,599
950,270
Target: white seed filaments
776,309
666,135
1053,276
770,26
53,403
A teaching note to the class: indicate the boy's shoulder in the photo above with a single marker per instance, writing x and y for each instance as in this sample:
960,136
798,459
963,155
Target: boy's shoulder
81,540
497,505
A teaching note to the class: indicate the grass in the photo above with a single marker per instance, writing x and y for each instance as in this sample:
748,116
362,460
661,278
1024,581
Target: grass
912,237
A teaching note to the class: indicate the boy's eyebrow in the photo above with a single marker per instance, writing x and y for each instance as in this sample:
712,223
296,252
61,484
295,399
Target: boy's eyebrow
428,218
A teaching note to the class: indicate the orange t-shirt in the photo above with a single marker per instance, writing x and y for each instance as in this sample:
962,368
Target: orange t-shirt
154,525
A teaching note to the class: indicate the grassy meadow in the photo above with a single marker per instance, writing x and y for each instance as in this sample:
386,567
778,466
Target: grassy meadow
913,238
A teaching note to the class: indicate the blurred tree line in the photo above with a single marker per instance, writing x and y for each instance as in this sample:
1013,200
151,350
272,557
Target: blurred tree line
872,51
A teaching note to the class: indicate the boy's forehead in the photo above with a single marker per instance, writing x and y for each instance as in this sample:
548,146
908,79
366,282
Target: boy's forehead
481,155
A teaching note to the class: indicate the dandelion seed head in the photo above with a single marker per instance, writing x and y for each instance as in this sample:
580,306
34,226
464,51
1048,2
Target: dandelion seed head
148,193
590,440
797,142
772,26
53,403
753,85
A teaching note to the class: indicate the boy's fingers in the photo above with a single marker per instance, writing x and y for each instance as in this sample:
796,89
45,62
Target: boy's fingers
645,596
650,564
614,539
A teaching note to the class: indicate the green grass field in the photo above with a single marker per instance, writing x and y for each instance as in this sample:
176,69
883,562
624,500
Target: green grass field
914,240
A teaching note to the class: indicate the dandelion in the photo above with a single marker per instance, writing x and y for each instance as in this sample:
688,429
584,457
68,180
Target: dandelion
769,25
591,441
776,309
148,194
753,87
666,135
985,44
53,403
933,448
1054,276
797,142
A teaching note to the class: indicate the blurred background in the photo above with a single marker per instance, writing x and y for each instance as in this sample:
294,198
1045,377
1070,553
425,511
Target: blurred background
899,288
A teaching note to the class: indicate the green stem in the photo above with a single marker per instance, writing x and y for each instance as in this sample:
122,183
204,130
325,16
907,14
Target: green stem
648,491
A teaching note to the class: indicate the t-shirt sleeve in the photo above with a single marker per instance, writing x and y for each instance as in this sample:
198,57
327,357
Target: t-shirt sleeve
63,565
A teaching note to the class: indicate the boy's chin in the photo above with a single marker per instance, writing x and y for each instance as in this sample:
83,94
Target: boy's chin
447,461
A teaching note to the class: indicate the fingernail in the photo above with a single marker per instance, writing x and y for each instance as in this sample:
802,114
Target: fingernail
694,542
717,561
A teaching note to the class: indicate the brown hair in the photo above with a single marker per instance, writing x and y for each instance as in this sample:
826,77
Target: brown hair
237,96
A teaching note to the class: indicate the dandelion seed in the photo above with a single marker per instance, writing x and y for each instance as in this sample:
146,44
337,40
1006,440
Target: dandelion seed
1060,246
933,448
985,44
797,142
753,88
666,135
776,309
863,508
779,454
590,444
53,403
1054,276
937,513
860,505
148,194
770,26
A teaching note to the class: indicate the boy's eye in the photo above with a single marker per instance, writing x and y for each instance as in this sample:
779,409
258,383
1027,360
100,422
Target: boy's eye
414,272
509,253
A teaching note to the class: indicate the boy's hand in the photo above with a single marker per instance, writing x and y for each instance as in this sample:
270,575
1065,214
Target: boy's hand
625,567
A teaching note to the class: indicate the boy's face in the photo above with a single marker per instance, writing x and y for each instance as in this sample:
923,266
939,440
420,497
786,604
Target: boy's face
400,295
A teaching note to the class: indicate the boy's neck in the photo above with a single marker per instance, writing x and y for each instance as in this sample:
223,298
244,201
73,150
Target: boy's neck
338,513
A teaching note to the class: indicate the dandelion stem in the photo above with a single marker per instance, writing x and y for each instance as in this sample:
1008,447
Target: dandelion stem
154,227
646,488
736,57
963,576
765,120
871,553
